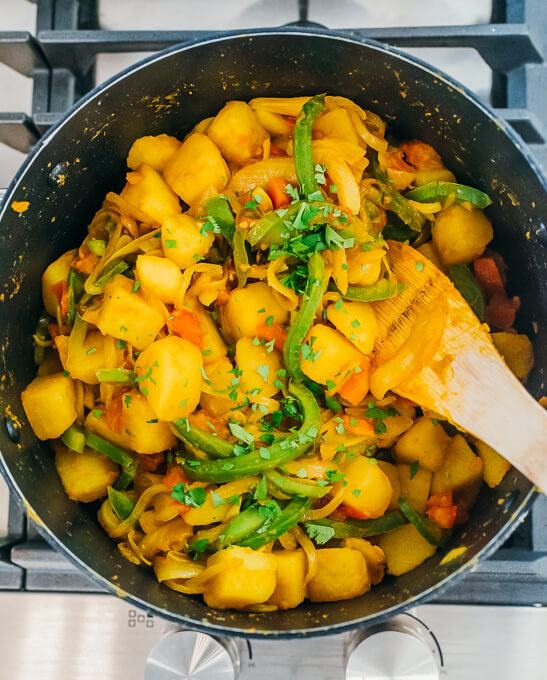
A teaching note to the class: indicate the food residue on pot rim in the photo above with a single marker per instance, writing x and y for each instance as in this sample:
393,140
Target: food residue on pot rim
20,206
453,554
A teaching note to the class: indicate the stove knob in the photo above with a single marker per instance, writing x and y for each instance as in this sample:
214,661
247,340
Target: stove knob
189,655
392,655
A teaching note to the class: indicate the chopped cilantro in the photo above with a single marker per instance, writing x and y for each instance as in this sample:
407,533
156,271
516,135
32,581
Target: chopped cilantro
170,243
319,533
136,286
263,371
356,492
241,434
121,344
97,413
338,304
419,266
414,467
261,490
195,498
217,500
92,350
66,373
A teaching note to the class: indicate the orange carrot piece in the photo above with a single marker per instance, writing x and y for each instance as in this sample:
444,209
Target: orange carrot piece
443,517
501,311
273,332
276,191
357,425
421,155
60,290
186,325
175,475
149,462
489,276
276,151
356,387
114,414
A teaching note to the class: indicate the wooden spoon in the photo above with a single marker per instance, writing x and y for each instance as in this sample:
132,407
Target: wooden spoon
455,369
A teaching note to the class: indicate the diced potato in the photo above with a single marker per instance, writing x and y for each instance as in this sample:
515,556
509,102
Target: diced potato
461,467
220,373
49,404
144,435
208,514
236,587
395,427
357,321
393,475
425,442
152,150
97,352
182,240
368,491
364,267
290,589
54,274
237,133
461,235
341,575
517,352
160,276
495,466
415,489
258,368
331,356
130,316
85,476
336,123
428,250
405,548
99,426
197,170
242,314
147,190
169,373
374,557
212,344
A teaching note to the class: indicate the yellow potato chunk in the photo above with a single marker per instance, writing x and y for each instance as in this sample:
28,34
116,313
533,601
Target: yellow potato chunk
364,267
196,170
415,487
425,442
140,430
130,316
331,356
517,352
336,123
169,373
237,133
182,241
290,589
147,190
85,476
220,373
341,575
461,467
495,466
368,491
357,321
55,273
240,586
405,548
461,235
374,557
152,150
49,404
160,276
428,250
258,368
242,314
94,355
392,474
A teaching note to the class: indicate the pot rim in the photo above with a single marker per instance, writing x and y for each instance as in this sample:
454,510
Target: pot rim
517,514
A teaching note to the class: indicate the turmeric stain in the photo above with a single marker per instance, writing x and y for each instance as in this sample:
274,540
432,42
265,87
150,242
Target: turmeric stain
20,206
453,554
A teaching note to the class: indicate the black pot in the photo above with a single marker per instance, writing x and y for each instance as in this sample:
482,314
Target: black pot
83,157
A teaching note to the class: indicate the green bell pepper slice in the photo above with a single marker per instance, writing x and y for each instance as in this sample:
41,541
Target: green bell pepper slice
294,487
42,333
303,153
364,528
128,464
294,445
465,282
381,290
438,191
304,318
204,441
432,532
241,259
241,526
395,201
121,504
278,526
74,438
120,376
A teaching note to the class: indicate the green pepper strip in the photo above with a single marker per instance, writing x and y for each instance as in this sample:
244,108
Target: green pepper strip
393,200
465,282
304,318
111,270
432,532
96,246
270,228
204,441
220,212
438,191
42,333
241,259
278,526
121,504
281,452
303,153
74,438
241,526
294,487
364,528
127,463
116,375
381,290
75,289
